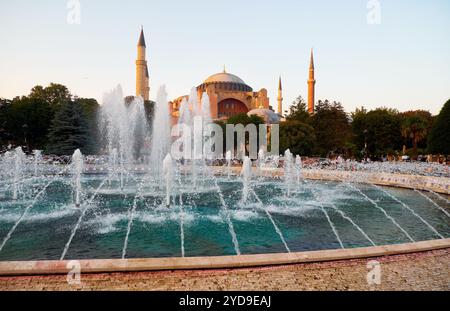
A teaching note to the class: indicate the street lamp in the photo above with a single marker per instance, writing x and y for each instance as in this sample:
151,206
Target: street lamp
365,144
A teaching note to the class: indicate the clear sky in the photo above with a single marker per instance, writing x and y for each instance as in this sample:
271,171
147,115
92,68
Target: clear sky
403,62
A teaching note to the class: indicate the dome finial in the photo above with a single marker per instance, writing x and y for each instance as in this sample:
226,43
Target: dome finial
224,69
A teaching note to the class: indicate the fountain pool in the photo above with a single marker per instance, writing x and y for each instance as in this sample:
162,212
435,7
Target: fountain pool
212,218
136,200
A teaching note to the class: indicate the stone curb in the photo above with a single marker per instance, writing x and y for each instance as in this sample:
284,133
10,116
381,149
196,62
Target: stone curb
419,182
17,268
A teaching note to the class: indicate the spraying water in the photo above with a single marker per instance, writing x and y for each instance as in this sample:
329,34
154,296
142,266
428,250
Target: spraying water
246,174
19,161
298,167
277,230
80,219
432,202
332,226
411,210
27,209
161,138
168,174
439,196
77,167
123,120
226,213
112,171
261,160
125,129
382,210
37,160
228,158
193,102
288,171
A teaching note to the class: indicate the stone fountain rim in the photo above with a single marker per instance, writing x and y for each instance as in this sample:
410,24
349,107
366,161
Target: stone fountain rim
436,184
49,267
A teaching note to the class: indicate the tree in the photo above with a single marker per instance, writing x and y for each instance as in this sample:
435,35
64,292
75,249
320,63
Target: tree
91,110
426,118
377,132
331,127
69,131
25,122
298,111
439,138
415,128
55,94
244,119
5,135
297,136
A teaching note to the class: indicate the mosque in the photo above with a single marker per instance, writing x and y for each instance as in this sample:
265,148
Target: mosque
229,94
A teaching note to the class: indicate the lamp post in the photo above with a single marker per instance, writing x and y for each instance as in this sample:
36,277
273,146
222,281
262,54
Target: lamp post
25,130
365,144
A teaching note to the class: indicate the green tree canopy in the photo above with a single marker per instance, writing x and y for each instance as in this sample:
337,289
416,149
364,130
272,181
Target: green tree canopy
298,111
297,136
70,131
25,121
415,129
54,94
331,127
380,129
244,119
439,138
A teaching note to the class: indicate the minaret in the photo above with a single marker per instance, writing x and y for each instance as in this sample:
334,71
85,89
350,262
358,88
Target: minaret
280,97
142,77
311,85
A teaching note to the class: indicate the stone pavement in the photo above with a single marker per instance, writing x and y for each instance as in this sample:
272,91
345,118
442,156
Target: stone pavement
418,271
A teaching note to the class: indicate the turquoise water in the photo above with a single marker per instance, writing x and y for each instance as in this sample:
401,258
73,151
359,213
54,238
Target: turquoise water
155,232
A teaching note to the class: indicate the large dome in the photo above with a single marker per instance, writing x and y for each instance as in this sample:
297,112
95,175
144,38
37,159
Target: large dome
225,81
224,77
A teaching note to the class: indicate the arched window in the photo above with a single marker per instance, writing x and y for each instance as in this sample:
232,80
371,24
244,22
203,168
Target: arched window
230,107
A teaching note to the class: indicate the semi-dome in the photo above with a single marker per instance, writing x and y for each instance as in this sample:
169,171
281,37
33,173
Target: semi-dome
226,82
268,115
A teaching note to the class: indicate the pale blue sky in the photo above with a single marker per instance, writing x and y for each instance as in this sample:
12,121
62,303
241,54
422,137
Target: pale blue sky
402,63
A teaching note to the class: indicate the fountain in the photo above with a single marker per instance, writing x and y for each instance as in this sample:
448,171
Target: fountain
112,167
19,159
228,159
298,167
37,161
161,138
168,174
288,171
246,174
283,205
77,167
124,129
261,160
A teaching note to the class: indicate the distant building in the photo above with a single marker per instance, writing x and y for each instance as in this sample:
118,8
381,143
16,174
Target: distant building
228,94
142,77
311,86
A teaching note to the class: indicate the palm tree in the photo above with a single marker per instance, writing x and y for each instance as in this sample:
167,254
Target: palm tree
415,127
